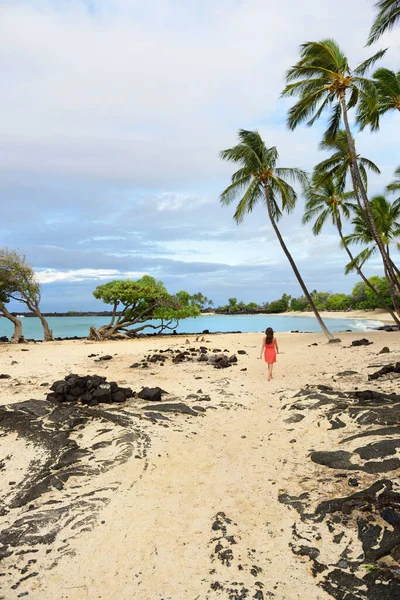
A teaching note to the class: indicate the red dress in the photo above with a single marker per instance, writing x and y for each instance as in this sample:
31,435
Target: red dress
270,352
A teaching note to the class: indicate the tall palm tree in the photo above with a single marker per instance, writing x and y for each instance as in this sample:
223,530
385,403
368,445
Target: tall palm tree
327,200
323,79
387,17
387,218
259,180
385,98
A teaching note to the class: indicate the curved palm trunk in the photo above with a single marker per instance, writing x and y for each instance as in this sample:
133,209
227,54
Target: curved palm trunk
295,269
365,280
392,291
17,336
387,262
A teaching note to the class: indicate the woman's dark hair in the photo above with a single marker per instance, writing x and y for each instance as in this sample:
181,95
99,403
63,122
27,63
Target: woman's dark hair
269,335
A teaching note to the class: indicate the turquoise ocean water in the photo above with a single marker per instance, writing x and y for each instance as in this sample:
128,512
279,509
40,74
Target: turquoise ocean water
79,326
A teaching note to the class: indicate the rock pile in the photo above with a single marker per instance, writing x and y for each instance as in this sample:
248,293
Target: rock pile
214,357
90,390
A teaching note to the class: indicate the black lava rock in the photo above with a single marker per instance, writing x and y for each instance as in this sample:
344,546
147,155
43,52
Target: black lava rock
151,394
362,342
89,390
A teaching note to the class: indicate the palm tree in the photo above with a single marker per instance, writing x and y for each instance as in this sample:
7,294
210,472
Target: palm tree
385,20
323,79
326,199
259,180
385,98
387,218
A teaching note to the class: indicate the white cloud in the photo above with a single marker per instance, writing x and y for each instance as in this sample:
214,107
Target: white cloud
150,92
53,275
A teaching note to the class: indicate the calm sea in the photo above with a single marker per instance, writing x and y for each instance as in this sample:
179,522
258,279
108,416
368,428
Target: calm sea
79,326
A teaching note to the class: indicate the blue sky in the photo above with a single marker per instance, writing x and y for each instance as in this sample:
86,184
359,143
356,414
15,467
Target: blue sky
113,116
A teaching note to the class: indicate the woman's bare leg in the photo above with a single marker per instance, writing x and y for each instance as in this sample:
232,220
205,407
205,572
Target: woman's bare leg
269,371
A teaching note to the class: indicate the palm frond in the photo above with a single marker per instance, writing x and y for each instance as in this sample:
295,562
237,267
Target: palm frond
293,174
334,122
369,164
359,260
246,204
235,189
367,64
387,17
285,191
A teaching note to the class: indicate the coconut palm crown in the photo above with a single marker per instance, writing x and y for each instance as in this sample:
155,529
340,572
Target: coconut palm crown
326,200
339,164
384,98
322,79
388,16
258,172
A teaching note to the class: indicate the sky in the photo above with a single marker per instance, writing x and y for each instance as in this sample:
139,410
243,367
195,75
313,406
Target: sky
112,117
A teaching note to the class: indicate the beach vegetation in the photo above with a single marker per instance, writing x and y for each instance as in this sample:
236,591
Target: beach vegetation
143,304
19,282
260,181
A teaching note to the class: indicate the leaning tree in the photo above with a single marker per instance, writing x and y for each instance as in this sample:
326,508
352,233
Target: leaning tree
143,304
22,285
17,336
323,80
260,180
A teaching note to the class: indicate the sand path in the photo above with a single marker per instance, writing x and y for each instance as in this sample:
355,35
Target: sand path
156,541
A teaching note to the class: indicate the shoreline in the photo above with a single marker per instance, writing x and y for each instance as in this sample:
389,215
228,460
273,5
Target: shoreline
375,314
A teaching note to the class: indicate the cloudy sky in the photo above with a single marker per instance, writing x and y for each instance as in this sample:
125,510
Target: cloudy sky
113,113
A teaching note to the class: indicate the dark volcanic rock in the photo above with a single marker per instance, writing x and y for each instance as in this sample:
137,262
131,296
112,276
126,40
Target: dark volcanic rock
393,368
385,350
362,342
105,357
151,394
4,376
90,390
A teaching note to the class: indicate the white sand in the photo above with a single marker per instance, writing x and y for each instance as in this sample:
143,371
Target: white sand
154,540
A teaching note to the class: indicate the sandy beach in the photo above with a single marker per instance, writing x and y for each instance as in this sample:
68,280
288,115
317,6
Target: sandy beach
219,501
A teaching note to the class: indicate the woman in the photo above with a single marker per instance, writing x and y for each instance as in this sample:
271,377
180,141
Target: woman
269,348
